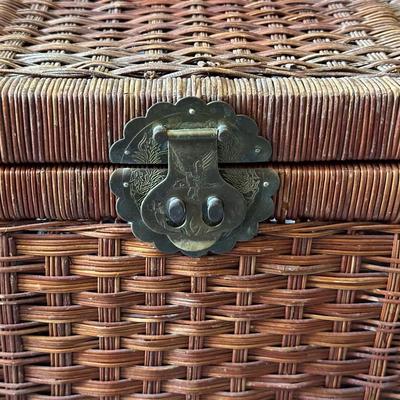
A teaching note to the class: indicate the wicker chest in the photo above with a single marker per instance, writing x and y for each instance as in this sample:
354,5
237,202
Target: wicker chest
199,199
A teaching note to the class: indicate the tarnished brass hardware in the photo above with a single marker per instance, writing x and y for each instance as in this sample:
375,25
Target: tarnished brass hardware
183,200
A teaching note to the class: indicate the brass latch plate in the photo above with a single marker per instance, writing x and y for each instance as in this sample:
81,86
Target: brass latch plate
180,198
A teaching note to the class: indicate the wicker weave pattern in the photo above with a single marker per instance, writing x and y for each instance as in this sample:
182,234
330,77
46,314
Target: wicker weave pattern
77,120
8,9
305,311
148,38
341,192
309,311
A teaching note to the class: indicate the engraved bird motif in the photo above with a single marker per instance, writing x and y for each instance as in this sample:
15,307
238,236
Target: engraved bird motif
193,179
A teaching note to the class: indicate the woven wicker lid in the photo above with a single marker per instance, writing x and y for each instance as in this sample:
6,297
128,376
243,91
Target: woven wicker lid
321,78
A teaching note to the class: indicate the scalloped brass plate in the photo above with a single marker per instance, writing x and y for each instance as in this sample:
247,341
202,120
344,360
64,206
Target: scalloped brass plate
180,198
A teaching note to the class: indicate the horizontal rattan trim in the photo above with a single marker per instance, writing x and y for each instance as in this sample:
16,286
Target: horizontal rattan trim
337,192
43,238
74,120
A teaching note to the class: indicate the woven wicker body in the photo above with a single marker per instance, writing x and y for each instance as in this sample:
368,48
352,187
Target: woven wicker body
308,310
